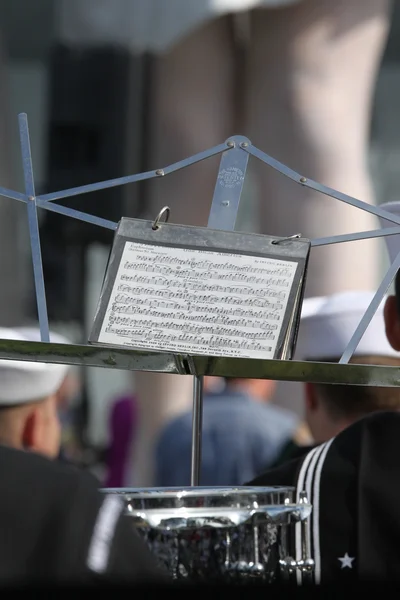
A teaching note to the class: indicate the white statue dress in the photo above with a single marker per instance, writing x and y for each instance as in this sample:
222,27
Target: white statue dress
144,25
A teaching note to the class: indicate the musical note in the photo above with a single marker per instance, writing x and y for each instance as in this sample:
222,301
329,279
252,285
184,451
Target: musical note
198,301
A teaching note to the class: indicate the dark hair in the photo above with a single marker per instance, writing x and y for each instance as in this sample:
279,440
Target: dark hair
355,401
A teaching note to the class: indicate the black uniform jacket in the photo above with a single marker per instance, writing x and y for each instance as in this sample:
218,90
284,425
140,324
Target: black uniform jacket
290,451
57,527
353,484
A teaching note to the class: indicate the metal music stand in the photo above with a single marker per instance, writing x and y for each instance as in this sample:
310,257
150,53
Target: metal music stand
235,154
200,292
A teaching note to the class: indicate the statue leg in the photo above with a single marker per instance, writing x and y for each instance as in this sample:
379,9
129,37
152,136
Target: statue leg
312,72
311,75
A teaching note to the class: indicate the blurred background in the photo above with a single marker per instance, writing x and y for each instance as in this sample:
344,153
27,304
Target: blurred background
89,118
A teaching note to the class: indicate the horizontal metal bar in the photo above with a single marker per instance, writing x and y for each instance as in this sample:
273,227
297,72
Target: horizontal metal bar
102,185
318,187
77,214
186,162
33,224
141,360
301,371
95,187
88,356
14,195
353,237
38,276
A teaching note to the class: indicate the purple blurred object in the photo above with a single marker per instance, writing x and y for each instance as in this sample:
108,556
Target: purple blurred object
123,424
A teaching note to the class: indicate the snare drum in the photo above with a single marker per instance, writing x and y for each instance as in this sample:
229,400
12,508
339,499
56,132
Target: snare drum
223,534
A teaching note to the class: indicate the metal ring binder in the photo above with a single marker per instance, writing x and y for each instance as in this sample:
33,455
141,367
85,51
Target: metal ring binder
285,239
164,211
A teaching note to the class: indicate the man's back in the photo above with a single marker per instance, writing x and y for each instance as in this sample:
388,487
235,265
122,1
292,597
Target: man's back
239,438
353,483
56,526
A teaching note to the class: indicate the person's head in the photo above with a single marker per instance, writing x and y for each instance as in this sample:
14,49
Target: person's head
326,327
213,385
29,400
258,389
392,306
70,386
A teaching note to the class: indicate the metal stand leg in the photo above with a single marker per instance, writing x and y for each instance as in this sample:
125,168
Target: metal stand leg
34,229
197,424
223,214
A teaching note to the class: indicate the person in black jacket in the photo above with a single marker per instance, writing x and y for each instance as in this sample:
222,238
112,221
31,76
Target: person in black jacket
56,526
353,484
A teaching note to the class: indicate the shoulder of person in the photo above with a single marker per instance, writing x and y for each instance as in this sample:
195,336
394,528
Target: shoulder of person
380,428
379,424
81,532
64,489
284,475
74,476
34,465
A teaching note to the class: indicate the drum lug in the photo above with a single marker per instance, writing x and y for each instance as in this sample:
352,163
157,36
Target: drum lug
306,566
289,565
244,568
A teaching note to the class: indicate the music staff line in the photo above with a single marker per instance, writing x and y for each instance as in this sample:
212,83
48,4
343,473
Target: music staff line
159,280
244,320
190,263
199,298
209,274
160,336
192,309
195,275
265,333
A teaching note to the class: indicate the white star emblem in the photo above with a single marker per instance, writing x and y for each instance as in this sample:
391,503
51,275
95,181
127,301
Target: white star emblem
346,561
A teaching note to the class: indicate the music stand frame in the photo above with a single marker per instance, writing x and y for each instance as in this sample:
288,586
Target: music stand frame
224,209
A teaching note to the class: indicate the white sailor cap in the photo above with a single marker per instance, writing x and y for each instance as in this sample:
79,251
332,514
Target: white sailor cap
392,241
328,323
22,381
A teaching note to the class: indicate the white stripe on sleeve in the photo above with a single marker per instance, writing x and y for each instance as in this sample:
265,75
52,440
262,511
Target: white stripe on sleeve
103,534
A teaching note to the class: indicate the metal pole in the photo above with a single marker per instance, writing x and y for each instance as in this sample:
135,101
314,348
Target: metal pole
34,228
197,424
223,214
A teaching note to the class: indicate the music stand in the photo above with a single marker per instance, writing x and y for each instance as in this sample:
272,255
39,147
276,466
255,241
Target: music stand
235,154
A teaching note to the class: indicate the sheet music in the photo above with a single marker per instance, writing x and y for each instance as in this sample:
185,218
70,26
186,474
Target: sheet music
197,302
